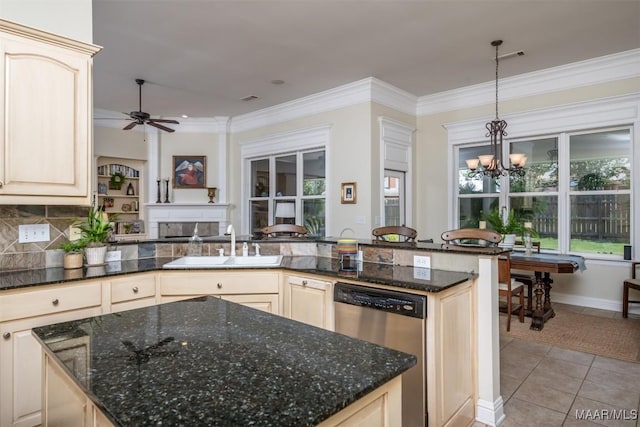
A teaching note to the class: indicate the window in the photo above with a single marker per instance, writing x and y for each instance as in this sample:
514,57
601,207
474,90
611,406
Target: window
394,198
288,189
576,191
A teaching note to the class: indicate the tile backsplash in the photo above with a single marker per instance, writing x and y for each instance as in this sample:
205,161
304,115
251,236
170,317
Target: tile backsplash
14,255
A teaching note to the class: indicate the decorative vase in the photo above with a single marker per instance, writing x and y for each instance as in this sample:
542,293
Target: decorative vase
72,260
95,255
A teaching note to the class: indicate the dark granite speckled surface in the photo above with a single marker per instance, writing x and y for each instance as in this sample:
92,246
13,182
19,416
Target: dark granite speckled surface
207,362
428,280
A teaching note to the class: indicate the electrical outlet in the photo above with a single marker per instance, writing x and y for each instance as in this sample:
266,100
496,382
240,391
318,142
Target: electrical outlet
422,261
29,233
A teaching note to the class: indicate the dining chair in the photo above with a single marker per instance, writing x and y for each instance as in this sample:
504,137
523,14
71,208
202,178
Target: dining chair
391,232
508,288
632,283
527,279
472,236
284,230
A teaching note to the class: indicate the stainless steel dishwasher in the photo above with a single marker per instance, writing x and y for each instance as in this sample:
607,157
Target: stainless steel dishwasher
395,320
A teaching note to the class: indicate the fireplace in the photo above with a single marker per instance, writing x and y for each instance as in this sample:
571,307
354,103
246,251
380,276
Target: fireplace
178,219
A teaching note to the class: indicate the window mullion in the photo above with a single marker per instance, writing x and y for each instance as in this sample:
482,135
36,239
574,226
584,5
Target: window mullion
564,202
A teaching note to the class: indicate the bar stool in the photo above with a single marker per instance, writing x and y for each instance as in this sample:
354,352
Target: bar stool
632,283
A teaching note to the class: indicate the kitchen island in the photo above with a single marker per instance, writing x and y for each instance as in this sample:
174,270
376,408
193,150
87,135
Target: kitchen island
206,361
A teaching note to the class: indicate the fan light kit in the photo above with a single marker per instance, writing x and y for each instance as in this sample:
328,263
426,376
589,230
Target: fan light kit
141,118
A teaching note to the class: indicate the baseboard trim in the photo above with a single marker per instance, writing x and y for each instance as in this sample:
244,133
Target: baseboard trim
490,413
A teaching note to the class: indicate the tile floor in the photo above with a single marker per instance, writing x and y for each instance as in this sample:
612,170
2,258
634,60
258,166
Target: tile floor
546,386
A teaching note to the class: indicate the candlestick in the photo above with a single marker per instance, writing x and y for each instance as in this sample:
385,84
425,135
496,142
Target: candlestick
159,199
166,196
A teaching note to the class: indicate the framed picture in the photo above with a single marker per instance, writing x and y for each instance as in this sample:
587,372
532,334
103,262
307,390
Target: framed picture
189,171
348,194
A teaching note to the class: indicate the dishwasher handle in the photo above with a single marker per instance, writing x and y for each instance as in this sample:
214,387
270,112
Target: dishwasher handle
401,303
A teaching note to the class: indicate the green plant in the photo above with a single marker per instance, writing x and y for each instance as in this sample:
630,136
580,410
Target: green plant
95,231
497,222
116,180
74,247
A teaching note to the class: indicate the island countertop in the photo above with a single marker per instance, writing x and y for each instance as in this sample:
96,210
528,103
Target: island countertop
207,361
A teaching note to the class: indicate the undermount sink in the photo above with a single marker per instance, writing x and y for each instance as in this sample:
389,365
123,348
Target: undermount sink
224,261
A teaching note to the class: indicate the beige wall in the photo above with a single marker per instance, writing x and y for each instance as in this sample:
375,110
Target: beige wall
113,142
601,284
189,144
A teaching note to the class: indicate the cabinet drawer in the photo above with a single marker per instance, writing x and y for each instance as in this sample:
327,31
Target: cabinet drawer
132,288
220,283
311,283
37,302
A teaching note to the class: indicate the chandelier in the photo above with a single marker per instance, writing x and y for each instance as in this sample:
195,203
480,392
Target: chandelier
491,165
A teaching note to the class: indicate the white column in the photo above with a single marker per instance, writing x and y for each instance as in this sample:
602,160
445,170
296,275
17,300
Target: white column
489,408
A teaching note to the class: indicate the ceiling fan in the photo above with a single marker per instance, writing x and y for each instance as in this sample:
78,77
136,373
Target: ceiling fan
140,117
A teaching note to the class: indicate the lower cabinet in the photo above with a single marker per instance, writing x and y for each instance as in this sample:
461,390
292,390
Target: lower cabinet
254,288
309,300
21,354
130,291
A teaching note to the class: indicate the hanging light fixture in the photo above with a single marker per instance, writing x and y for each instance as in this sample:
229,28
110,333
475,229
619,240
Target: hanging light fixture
491,165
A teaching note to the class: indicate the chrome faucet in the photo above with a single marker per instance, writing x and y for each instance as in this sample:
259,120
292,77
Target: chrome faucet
232,232
257,247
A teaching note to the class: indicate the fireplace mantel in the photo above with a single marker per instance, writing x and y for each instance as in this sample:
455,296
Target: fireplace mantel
186,212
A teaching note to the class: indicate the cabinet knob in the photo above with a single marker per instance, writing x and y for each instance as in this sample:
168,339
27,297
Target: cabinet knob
219,285
304,283
6,335
135,289
55,302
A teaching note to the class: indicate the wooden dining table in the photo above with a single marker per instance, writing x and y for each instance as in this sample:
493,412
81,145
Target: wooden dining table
543,265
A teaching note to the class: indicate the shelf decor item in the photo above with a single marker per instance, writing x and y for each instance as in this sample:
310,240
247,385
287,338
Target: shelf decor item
166,194
130,190
211,192
73,254
159,198
116,181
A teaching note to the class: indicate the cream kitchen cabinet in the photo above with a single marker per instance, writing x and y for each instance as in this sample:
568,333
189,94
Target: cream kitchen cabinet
130,291
45,117
254,288
309,300
21,354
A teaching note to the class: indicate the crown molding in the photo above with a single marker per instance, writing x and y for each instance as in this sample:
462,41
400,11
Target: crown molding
603,69
365,90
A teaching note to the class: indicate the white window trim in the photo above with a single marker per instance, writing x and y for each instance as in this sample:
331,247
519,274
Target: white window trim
396,153
603,113
316,137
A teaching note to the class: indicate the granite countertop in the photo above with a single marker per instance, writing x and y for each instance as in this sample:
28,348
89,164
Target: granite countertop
208,362
418,279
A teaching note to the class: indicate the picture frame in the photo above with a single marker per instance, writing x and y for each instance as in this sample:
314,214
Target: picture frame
189,171
348,193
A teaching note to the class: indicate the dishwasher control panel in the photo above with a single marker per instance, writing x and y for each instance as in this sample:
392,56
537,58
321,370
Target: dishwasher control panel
391,302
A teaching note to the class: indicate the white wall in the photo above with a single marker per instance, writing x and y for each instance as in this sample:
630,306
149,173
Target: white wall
70,18
113,142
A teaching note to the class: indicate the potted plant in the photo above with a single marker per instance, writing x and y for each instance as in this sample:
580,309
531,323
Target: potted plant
95,232
73,254
509,227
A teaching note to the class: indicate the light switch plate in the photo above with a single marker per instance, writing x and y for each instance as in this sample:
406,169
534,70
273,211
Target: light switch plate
422,261
29,233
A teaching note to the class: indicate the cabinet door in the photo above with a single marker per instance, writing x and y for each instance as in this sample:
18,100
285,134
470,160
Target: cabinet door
264,302
21,368
309,301
65,404
45,128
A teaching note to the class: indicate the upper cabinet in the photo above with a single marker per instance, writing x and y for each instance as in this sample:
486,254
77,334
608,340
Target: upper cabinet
45,117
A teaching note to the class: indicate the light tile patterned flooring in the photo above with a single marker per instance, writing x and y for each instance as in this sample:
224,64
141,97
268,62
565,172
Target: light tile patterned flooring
546,386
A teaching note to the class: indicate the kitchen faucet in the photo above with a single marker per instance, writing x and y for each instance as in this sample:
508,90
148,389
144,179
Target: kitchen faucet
232,232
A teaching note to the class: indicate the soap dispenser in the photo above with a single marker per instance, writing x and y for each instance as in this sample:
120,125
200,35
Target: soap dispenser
245,249
194,248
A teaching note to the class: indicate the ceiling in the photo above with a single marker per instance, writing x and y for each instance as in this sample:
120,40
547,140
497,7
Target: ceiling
201,57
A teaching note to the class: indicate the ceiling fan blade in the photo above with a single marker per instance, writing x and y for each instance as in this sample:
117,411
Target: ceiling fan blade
175,122
129,126
156,125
